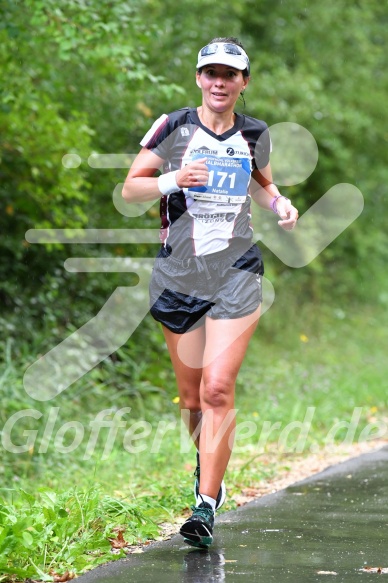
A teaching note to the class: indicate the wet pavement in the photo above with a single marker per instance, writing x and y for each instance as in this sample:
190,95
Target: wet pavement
332,526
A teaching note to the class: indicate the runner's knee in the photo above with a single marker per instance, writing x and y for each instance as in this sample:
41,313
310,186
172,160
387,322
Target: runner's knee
217,393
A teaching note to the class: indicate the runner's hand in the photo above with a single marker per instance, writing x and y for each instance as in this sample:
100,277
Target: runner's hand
287,213
196,173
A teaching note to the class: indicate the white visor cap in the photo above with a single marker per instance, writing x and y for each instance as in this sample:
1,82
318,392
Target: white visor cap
223,54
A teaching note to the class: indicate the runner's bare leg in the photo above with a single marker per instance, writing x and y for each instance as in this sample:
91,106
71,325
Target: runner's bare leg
217,395
188,379
209,391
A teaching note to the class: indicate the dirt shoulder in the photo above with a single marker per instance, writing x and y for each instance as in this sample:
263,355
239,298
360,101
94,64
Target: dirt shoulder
300,467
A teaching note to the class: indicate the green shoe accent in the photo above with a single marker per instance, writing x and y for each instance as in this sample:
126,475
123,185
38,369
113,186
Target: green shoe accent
196,544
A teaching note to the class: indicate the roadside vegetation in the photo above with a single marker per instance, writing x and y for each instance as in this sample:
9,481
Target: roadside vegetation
302,389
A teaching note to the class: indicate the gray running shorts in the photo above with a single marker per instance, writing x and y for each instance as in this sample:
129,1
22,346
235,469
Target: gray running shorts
219,285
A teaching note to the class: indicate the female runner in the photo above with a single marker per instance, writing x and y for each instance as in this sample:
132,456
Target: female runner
206,283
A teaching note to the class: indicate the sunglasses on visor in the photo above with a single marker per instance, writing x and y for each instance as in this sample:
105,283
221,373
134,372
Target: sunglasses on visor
228,48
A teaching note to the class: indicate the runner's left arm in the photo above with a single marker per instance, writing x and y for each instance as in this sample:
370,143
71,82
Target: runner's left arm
263,191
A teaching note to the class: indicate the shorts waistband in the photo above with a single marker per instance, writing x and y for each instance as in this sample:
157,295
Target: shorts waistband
230,253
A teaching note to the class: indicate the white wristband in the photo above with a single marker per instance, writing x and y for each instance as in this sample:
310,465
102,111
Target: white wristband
167,183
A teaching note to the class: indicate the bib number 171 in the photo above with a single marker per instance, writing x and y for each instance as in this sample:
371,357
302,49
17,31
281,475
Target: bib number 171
222,177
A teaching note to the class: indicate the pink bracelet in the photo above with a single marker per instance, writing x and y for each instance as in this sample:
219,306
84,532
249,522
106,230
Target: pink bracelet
273,202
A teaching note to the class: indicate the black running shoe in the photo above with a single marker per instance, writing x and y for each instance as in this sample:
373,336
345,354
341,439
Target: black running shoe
198,529
221,493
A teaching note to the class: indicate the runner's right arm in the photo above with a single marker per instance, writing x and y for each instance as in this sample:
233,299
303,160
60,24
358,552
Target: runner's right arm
141,184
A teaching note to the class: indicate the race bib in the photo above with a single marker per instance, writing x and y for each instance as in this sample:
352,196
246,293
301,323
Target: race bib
228,180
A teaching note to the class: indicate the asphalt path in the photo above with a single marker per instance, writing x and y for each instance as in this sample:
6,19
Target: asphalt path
332,526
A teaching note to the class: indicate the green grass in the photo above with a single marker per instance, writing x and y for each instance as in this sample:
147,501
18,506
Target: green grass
46,532
334,362
331,364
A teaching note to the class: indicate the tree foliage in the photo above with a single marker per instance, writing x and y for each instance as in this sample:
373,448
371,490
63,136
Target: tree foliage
68,75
